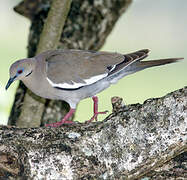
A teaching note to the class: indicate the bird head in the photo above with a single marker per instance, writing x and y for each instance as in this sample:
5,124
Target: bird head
19,70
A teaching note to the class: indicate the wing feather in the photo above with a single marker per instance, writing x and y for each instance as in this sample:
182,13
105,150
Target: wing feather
71,69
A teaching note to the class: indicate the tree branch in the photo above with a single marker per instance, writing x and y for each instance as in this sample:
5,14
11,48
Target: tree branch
130,143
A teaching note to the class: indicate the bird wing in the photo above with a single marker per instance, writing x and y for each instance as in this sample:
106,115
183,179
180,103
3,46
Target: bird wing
72,69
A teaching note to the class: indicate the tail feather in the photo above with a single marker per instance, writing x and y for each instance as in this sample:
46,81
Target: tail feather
133,63
140,65
151,63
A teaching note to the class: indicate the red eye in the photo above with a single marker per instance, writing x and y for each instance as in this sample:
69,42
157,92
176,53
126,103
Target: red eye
20,71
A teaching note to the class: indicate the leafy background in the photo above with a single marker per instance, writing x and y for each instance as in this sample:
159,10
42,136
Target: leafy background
158,25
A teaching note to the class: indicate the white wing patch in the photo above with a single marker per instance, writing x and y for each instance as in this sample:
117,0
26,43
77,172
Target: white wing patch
77,85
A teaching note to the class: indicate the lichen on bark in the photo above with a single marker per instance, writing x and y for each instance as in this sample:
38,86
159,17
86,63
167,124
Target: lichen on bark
133,142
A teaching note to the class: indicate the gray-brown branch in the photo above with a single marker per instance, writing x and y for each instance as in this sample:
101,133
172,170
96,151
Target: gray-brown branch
134,141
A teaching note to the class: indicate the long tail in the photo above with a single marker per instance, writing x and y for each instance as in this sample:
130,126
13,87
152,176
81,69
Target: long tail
140,65
133,63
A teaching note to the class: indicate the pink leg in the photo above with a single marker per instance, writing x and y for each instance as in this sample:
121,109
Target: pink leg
64,120
96,113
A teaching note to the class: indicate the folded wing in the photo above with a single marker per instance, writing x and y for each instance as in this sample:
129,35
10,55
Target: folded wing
72,69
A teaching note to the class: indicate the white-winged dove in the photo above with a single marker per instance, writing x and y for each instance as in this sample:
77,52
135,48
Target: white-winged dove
73,75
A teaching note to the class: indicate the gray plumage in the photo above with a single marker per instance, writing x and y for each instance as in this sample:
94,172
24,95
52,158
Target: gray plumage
72,75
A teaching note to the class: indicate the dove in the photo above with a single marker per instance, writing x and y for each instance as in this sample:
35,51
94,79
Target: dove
72,75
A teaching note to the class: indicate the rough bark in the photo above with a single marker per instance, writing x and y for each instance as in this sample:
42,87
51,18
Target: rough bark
134,141
87,26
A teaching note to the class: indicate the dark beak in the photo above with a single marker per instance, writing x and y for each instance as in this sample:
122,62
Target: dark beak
10,81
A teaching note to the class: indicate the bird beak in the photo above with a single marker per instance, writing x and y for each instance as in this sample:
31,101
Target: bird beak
10,81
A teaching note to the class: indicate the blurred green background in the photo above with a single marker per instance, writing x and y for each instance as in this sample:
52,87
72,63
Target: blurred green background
158,25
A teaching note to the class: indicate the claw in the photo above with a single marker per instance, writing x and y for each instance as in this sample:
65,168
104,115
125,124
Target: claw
96,113
64,120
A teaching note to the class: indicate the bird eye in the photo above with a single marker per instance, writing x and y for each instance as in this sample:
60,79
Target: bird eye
20,71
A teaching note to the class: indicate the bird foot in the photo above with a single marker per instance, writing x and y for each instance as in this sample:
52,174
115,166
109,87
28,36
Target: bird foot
57,124
64,120
94,117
